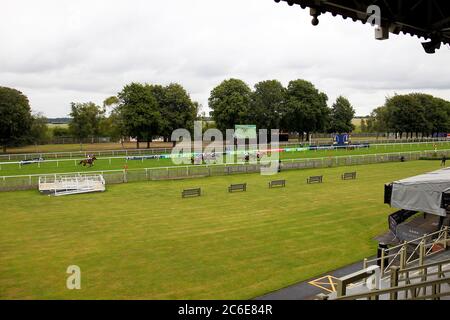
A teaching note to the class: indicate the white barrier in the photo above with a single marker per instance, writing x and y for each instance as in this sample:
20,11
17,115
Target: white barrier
60,185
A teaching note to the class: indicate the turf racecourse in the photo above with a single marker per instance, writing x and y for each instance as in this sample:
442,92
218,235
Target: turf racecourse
142,241
12,169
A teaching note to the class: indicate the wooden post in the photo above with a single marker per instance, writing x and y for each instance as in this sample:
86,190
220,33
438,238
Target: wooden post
340,289
394,282
422,251
403,257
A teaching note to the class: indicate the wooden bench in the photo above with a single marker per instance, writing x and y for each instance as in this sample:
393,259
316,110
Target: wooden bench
277,183
191,193
237,187
349,176
315,179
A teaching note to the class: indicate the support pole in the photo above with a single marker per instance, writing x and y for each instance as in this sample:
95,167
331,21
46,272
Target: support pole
403,257
394,282
422,252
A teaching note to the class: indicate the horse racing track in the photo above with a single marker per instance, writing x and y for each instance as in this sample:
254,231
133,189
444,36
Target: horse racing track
144,241
53,164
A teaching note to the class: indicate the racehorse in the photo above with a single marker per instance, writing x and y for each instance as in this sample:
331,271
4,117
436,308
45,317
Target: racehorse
89,161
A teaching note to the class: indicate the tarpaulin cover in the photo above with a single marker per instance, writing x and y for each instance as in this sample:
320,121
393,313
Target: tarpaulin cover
422,193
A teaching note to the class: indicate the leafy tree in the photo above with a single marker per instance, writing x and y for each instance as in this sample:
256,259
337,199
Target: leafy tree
406,114
267,105
61,132
363,125
86,118
39,131
230,103
379,120
437,113
306,108
410,114
342,114
176,107
15,117
110,101
139,112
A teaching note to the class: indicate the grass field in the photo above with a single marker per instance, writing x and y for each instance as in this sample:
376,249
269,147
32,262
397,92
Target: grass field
142,241
118,164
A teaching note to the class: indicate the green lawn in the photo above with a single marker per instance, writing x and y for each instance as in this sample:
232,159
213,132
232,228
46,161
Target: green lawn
142,241
118,164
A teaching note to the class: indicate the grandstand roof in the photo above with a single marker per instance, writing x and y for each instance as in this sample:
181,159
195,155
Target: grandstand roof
429,19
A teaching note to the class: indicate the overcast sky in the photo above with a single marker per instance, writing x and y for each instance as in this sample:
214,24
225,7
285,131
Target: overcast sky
59,51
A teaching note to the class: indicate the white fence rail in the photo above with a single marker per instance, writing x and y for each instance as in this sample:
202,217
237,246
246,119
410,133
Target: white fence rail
76,157
23,182
378,144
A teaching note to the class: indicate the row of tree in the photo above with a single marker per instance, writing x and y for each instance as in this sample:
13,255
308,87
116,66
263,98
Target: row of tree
409,115
299,108
145,111
140,111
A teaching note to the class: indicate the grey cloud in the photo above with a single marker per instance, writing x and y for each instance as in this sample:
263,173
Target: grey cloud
58,51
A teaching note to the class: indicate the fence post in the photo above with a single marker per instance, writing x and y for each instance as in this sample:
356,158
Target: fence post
383,254
340,289
394,282
365,263
422,251
403,256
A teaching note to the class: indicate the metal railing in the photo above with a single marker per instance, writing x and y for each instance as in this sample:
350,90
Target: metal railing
422,247
428,281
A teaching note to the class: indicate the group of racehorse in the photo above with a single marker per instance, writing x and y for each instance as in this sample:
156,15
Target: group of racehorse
89,161
212,157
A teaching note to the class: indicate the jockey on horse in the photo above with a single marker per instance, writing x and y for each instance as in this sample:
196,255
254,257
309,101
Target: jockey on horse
89,161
